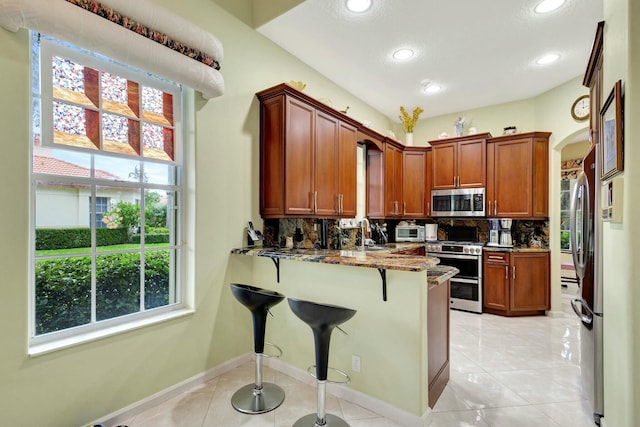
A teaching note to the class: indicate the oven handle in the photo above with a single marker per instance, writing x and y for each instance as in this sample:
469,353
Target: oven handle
452,256
473,281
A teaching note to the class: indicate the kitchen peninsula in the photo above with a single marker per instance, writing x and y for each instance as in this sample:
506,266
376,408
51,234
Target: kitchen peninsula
402,343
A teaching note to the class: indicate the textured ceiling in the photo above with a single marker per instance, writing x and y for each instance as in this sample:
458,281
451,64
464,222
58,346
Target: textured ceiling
481,52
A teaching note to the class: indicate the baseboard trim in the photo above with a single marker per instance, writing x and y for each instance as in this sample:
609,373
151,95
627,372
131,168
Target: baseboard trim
128,412
395,414
341,391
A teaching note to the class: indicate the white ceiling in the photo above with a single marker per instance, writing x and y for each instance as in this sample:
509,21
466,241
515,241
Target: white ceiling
482,52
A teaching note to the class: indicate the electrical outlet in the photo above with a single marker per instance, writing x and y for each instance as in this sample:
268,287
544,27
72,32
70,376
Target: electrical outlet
355,363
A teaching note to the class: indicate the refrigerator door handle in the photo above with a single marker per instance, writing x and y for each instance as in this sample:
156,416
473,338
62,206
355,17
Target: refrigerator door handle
582,230
587,319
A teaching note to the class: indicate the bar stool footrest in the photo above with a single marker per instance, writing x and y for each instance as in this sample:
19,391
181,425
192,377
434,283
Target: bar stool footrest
311,370
244,400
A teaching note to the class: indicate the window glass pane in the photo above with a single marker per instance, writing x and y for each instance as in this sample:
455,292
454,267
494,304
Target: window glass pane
564,220
69,82
121,218
565,200
70,126
157,142
157,282
56,161
62,224
115,94
117,169
120,135
117,285
157,217
157,106
63,293
159,173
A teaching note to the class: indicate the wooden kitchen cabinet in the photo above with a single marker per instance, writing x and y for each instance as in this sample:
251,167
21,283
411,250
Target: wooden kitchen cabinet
438,332
396,181
414,181
516,283
307,157
496,282
459,162
518,176
393,181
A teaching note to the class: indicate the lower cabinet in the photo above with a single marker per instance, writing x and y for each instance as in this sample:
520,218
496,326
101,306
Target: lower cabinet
516,283
438,339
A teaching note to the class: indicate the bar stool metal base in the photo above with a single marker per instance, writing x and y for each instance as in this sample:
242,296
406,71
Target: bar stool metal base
330,421
246,401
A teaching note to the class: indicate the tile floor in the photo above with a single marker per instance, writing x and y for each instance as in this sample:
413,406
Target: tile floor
505,372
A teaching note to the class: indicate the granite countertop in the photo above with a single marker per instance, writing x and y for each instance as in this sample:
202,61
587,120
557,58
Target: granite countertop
501,249
385,258
440,273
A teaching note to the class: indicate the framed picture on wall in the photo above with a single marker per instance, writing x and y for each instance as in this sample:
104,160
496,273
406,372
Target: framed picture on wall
612,128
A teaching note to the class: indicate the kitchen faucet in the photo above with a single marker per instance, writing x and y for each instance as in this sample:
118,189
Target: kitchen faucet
381,232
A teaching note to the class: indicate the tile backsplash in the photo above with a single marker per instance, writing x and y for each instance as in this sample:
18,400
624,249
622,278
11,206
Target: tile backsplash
525,233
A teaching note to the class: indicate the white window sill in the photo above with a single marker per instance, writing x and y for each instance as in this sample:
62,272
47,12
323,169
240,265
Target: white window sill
44,348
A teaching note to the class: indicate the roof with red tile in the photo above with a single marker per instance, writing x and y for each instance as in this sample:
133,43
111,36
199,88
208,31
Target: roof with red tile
50,165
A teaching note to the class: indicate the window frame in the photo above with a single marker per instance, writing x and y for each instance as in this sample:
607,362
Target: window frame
43,343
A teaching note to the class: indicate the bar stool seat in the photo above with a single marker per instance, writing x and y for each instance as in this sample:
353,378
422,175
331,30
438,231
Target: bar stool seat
259,397
322,319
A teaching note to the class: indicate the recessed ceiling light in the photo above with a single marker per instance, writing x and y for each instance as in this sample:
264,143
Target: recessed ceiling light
432,88
547,59
402,54
358,6
548,6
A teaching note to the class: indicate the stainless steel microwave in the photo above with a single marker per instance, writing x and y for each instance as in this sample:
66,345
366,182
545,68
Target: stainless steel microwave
458,202
410,233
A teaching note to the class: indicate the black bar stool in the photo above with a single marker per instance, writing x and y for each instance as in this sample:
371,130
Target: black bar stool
322,318
260,397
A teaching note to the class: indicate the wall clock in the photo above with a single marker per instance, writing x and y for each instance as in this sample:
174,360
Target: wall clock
580,109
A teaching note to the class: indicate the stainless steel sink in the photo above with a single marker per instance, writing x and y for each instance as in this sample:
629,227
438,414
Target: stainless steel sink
375,248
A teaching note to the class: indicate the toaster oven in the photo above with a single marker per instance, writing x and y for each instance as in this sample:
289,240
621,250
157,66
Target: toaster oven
410,233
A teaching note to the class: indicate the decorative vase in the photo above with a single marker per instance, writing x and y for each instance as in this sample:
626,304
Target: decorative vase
409,139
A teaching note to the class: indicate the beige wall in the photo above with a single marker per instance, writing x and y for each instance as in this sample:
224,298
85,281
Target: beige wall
620,255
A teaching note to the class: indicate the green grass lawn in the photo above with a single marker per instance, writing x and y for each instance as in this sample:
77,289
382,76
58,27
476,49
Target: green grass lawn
125,246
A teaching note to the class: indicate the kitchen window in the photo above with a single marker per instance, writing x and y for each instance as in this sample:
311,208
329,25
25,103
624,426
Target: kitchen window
107,141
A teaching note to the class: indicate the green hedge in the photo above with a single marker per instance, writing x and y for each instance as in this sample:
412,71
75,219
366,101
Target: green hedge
66,238
151,238
63,288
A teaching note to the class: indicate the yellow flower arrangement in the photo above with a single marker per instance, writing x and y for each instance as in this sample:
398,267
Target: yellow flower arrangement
408,122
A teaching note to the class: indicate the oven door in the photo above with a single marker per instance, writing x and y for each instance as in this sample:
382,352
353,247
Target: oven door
469,265
466,286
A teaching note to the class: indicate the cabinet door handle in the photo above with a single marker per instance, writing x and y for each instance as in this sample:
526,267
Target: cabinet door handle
341,203
495,257
495,207
514,272
429,208
506,272
404,208
315,201
489,207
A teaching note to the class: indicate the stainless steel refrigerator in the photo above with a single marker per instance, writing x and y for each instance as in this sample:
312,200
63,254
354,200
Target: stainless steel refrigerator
586,247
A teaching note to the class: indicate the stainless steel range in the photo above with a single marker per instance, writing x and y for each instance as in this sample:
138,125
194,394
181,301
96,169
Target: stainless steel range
466,286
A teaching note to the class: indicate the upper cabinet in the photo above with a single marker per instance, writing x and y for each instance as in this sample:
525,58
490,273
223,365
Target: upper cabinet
397,181
459,162
393,181
307,157
593,80
518,176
